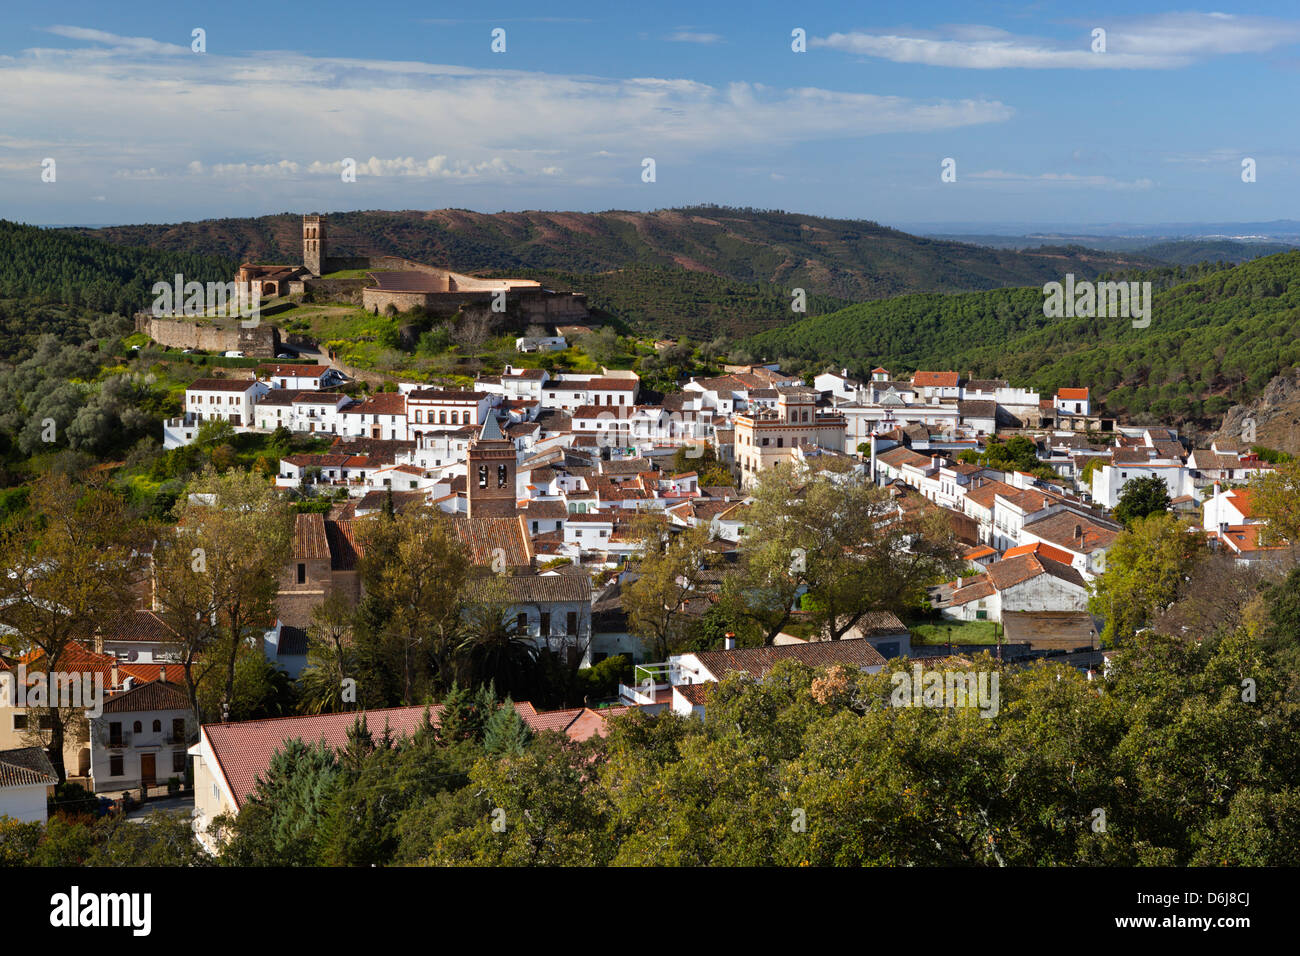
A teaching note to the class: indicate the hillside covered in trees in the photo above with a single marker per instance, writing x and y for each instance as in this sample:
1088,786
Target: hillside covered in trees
767,253
1217,336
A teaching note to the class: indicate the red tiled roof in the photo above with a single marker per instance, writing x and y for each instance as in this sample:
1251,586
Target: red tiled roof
757,661
243,750
935,380
220,385
154,695
1072,394
309,540
1046,550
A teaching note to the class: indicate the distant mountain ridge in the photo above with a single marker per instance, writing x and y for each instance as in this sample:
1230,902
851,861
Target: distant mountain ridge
775,252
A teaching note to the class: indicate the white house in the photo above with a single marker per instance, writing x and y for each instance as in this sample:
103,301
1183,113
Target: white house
142,736
541,343
431,410
1029,581
27,780
232,399
299,376
1072,401
301,411
382,415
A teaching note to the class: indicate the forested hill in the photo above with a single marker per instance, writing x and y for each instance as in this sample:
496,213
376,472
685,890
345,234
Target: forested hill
1214,341
47,266
772,252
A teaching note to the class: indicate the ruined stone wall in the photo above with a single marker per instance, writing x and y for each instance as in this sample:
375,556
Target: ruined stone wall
261,341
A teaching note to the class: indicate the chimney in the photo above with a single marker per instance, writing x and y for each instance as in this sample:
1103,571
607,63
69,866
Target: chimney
1216,489
729,642
1078,532
112,676
162,673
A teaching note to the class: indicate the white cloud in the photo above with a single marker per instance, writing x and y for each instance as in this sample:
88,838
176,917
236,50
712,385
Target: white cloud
689,36
1166,41
118,107
1060,179
116,42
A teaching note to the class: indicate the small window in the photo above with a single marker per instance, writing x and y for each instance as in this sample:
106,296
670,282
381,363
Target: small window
157,726
137,727
302,574
115,765
20,721
521,622
178,761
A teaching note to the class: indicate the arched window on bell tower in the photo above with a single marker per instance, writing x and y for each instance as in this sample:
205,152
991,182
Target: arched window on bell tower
482,476
501,476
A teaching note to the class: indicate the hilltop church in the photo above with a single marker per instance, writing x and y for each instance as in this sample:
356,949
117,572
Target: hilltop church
391,281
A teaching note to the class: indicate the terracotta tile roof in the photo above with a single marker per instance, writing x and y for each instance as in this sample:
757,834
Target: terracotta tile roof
155,695
380,449
243,750
935,380
26,767
138,625
984,494
1246,537
220,385
537,588
309,541
485,536
1243,499
978,587
381,403
1060,527
757,661
290,370
1010,572
901,455
695,694
1045,550
1072,394
345,549
543,509
612,384
979,408
80,659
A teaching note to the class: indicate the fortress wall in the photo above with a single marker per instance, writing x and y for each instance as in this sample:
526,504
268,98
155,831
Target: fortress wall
262,341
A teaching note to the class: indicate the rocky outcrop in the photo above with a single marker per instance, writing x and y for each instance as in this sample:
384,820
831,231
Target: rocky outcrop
1273,419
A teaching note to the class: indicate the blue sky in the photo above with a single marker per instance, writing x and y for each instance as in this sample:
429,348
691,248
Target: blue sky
1043,130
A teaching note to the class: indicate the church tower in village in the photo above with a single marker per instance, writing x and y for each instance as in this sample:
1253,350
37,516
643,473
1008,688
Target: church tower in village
490,481
313,243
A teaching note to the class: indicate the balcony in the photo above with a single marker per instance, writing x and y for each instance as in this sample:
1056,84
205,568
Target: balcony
649,683
115,741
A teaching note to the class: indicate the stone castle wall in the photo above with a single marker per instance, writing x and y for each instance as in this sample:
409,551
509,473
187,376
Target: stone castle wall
261,341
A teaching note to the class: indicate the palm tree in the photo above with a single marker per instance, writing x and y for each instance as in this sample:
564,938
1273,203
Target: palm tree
493,648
